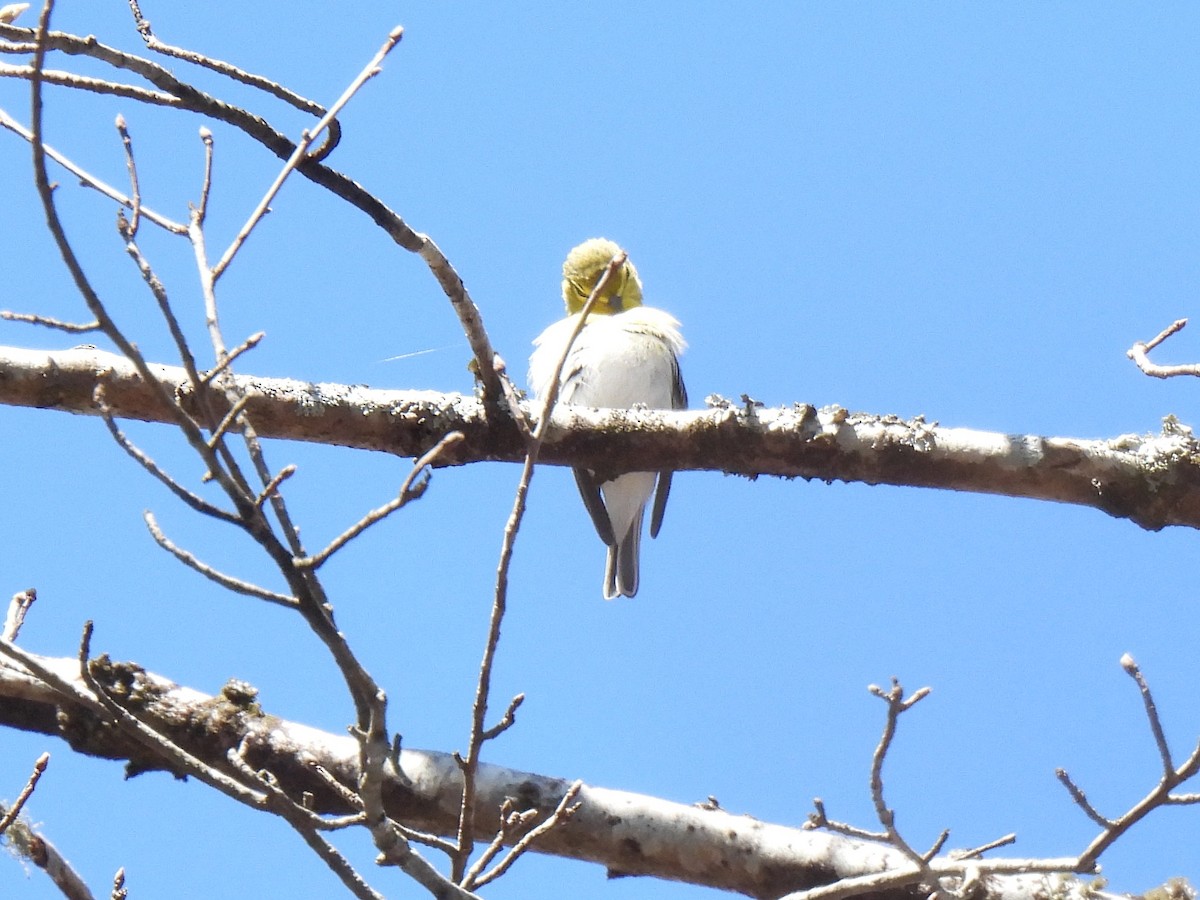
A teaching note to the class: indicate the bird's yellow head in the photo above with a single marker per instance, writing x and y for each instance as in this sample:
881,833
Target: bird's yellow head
582,269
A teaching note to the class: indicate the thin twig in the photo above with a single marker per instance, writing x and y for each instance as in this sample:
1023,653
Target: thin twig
135,190
307,824
511,821
1160,739
195,501
896,704
34,847
249,344
1081,800
45,190
229,70
349,797
48,322
468,314
354,801
470,763
409,490
26,792
888,881
1159,795
206,138
938,843
159,291
301,151
36,668
561,814
506,721
53,221
280,803
1138,353
339,865
236,484
512,399
1183,799
424,837
818,818
389,838
309,590
310,600
976,852
89,180
10,11
185,96
237,585
227,421
94,85
272,489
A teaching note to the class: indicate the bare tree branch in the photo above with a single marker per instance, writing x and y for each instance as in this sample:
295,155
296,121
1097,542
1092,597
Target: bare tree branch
28,843
411,489
229,582
18,608
1173,775
301,151
897,704
1139,353
180,95
229,70
49,322
1153,480
566,808
480,733
627,833
10,815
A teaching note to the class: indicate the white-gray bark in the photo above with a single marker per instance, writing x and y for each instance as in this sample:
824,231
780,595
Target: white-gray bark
1154,480
629,834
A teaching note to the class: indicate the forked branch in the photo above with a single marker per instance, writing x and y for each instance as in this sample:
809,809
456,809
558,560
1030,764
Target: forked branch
1162,794
1139,353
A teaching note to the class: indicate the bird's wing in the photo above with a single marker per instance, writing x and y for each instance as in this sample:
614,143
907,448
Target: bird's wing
660,502
678,390
589,489
678,401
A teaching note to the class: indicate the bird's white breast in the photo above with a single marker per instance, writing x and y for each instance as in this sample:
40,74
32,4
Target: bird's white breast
617,361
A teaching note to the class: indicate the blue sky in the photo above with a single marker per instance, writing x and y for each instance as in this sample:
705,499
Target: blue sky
968,212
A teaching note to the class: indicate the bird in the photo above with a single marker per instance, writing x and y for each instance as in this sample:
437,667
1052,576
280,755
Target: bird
626,355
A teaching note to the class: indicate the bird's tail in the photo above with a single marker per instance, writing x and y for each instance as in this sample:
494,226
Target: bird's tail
621,568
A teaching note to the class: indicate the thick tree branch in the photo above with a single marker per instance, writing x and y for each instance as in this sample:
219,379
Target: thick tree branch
1154,480
629,834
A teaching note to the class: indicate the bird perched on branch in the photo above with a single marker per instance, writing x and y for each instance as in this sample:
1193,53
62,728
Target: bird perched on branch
626,355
